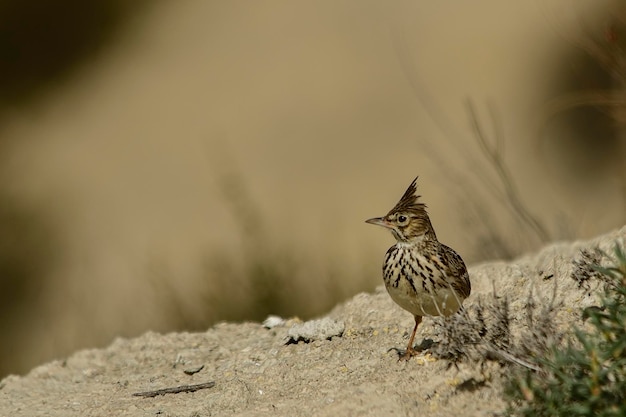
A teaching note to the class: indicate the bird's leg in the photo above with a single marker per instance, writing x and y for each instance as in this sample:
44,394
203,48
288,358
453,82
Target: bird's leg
410,351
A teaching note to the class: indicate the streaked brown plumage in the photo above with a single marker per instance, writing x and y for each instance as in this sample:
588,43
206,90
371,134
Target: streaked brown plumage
422,275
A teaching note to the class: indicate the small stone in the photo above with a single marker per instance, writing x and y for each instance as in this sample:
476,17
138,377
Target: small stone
273,321
195,370
322,329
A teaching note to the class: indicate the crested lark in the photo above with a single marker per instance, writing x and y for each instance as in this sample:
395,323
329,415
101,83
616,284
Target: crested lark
422,275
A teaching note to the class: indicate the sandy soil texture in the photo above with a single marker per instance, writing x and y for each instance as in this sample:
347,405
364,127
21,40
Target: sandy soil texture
261,371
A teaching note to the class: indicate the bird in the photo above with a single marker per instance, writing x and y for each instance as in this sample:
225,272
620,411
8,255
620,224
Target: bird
421,274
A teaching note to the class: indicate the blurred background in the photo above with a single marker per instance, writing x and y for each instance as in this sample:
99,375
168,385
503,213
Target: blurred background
166,165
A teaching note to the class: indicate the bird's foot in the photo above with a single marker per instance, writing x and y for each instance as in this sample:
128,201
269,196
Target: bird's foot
405,355
408,354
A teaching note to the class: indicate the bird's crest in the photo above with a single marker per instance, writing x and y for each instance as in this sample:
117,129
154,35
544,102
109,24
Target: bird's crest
409,200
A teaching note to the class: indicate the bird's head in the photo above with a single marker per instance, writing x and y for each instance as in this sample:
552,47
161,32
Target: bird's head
408,220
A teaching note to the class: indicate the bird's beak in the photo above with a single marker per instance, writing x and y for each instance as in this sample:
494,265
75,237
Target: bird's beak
379,221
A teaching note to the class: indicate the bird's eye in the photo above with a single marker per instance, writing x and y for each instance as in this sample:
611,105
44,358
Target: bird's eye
402,219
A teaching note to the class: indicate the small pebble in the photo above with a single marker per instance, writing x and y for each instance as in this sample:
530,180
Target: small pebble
322,329
273,321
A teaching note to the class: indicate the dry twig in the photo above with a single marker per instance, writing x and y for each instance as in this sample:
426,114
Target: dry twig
175,390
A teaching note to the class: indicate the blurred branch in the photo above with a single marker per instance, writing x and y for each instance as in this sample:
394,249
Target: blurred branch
606,98
438,116
495,155
608,52
583,98
496,243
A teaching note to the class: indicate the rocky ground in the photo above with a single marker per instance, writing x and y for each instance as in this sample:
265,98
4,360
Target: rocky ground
338,365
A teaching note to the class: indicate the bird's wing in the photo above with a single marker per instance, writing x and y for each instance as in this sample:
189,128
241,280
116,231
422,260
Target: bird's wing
457,272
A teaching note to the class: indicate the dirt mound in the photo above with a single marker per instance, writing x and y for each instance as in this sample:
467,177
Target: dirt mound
339,365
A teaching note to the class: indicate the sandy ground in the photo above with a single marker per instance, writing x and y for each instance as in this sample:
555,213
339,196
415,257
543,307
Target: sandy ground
326,111
257,372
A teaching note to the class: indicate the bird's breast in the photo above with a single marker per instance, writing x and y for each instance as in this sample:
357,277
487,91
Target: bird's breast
417,282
